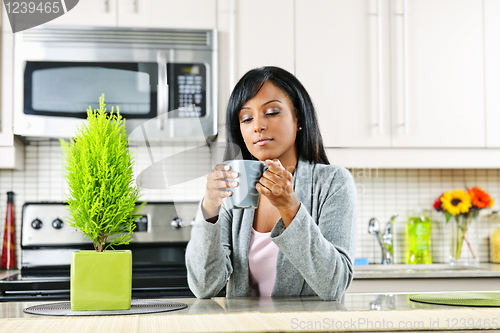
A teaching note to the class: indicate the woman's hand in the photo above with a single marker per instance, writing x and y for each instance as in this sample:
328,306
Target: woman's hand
277,185
217,190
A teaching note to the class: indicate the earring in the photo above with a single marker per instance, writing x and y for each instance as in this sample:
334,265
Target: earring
300,128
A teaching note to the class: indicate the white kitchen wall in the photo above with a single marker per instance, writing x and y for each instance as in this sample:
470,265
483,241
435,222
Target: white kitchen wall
381,193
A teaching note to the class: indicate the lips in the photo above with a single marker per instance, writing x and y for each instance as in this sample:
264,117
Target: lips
262,141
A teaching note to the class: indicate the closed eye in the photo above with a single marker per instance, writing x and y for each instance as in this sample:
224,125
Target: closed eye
268,113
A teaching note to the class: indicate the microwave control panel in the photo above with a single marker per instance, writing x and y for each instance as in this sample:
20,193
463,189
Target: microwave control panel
188,92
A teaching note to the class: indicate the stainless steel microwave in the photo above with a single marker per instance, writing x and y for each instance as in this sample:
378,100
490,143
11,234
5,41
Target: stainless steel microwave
164,81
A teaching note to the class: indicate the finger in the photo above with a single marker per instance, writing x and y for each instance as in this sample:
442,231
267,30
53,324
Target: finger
222,184
219,194
221,167
266,182
275,166
223,174
275,189
274,177
277,169
275,162
263,190
224,193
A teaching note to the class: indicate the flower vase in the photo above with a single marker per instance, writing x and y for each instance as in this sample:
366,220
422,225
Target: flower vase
464,240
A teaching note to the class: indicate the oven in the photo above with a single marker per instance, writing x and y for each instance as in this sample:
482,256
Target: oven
47,241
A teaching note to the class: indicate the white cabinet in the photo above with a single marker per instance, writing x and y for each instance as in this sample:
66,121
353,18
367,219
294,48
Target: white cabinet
492,71
11,149
252,33
100,13
351,57
185,14
444,85
264,35
338,61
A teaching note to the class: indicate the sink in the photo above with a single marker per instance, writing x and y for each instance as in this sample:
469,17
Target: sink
414,268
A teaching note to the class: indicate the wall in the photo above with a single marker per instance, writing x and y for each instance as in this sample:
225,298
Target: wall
380,193
384,192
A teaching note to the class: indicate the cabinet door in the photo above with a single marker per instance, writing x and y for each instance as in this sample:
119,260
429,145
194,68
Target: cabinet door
264,35
100,13
492,72
185,14
342,58
6,79
444,85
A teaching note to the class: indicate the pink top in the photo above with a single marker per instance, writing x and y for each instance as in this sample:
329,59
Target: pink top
262,257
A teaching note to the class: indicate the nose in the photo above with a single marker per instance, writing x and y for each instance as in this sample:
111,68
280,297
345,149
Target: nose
259,124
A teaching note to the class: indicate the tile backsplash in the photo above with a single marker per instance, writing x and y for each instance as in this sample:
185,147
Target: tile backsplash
381,192
384,192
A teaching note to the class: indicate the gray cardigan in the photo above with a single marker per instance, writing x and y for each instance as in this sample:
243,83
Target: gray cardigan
315,252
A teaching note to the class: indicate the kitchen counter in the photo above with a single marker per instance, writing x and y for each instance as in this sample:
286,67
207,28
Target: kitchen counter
350,302
425,271
425,278
261,314
7,272
414,278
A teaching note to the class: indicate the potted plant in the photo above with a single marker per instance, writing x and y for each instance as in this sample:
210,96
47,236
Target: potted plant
102,204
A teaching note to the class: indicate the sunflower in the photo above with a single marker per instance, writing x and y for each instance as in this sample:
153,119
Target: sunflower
456,202
480,198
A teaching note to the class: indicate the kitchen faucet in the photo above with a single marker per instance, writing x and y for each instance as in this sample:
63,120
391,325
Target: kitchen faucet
385,240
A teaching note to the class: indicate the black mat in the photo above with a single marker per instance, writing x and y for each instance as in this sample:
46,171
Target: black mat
139,306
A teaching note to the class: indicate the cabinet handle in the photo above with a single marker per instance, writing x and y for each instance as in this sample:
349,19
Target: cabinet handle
379,61
104,6
161,59
133,6
405,69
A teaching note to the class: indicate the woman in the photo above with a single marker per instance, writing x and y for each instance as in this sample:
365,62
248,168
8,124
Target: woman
301,238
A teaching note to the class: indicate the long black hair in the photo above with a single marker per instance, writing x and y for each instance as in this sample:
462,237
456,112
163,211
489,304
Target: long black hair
308,142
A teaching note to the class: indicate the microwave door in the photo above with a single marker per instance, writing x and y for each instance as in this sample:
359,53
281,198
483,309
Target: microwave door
187,108
58,94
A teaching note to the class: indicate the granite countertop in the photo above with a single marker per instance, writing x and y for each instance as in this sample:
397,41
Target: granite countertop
425,271
349,302
258,314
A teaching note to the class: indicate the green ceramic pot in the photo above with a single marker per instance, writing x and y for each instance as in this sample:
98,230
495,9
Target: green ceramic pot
101,280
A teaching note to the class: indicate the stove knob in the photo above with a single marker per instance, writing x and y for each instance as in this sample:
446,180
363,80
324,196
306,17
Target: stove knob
36,224
57,224
177,223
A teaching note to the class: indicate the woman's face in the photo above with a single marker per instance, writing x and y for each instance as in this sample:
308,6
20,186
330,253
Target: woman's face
269,126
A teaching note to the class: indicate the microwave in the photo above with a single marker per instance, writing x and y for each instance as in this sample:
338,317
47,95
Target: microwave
163,81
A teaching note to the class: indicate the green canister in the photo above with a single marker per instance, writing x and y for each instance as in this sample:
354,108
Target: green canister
419,239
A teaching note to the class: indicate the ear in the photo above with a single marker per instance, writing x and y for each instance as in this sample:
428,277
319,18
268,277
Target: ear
299,128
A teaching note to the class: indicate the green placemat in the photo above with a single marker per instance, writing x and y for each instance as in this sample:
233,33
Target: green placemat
462,298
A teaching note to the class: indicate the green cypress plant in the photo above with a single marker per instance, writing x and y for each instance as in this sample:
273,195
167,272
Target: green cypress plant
99,171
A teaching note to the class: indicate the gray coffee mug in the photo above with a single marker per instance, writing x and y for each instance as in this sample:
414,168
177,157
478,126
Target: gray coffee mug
245,195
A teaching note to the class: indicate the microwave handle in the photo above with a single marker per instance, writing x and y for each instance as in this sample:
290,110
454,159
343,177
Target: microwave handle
162,118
